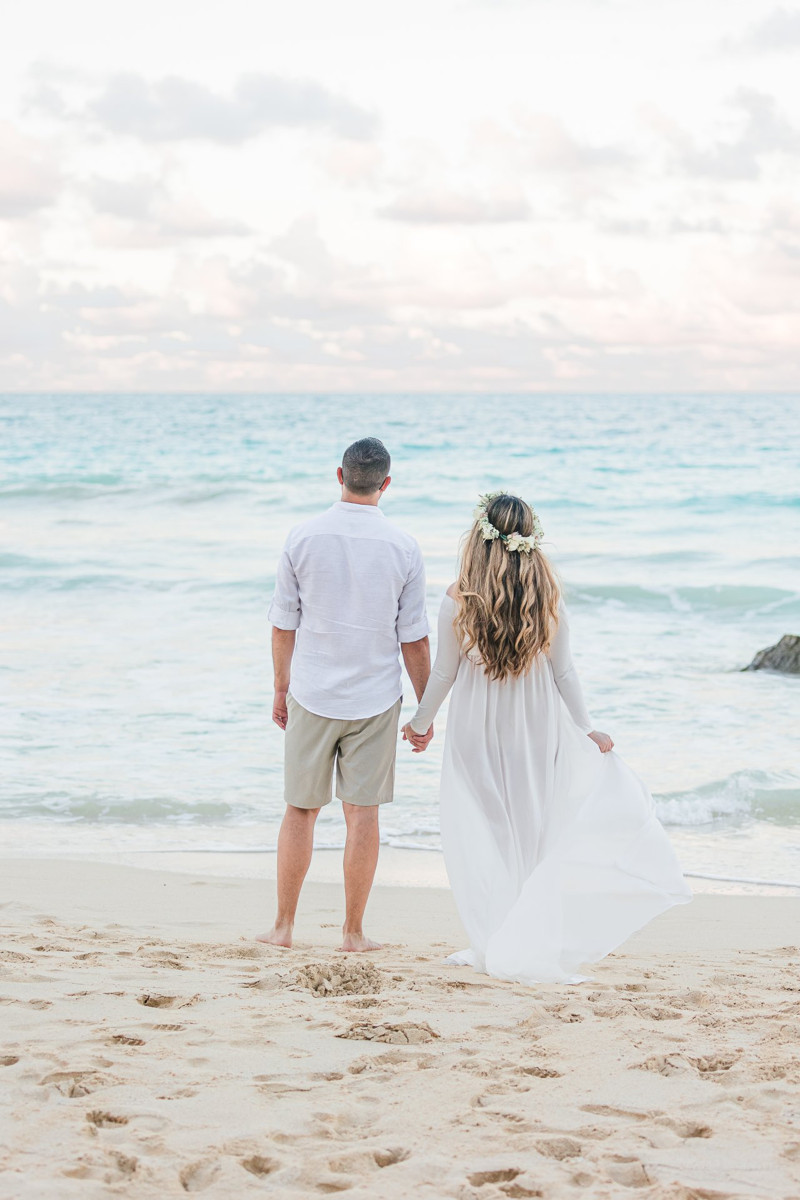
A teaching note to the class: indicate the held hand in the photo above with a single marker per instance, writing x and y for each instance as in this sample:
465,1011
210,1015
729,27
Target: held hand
280,713
602,740
419,741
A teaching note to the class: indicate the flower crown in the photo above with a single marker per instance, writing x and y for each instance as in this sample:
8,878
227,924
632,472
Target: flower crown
513,541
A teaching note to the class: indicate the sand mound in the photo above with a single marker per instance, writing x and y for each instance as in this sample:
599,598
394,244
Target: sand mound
406,1034
340,978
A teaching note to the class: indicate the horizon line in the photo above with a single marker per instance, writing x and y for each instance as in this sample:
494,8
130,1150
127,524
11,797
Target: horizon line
404,392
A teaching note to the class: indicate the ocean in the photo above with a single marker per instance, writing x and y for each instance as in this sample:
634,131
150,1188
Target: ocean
139,536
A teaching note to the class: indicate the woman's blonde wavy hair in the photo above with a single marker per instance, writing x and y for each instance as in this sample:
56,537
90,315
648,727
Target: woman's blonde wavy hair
507,601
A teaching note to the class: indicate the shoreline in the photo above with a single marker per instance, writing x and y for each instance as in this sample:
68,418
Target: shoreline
151,1046
75,885
406,867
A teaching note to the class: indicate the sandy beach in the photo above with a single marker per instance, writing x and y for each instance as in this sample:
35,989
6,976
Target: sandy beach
151,1048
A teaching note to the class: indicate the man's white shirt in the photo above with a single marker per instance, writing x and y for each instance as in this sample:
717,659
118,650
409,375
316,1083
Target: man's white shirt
353,586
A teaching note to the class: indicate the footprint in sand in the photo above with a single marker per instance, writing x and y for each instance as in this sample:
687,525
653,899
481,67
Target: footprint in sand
388,1158
38,1004
607,1110
165,959
571,1014
392,1061
627,1171
559,1148
154,1000
539,1072
198,1176
278,1085
360,1161
8,1060
687,1128
499,1175
124,1039
486,1098
712,1063
157,1000
663,1064
101,1119
259,1164
265,983
112,1167
73,1084
659,1013
246,951
673,1064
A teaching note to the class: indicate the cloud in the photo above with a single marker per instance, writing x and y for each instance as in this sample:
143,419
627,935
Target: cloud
145,213
444,207
540,146
554,148
174,109
217,324
353,164
29,180
779,30
763,131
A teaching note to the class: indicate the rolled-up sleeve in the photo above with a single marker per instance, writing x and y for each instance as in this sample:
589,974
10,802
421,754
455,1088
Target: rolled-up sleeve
412,617
284,610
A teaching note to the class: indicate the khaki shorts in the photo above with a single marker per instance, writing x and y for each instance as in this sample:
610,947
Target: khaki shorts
363,752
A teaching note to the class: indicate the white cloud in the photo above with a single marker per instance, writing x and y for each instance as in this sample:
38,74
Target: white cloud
777,31
29,177
451,207
555,148
175,109
146,213
763,130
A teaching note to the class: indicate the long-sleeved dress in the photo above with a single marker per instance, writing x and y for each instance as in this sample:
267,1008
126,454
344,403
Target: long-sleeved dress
553,849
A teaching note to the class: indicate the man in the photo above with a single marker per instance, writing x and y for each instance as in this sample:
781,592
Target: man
349,596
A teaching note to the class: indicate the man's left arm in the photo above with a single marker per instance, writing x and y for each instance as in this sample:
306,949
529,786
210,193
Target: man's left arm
412,628
417,658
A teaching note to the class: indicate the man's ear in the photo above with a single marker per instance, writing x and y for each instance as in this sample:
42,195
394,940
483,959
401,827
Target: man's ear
385,483
340,475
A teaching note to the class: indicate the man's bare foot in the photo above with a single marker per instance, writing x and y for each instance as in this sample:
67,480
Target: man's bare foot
279,935
357,942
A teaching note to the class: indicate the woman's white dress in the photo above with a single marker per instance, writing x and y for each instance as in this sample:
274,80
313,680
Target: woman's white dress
553,849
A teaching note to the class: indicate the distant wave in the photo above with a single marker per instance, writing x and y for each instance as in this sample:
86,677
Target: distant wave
29,572
22,573
153,810
147,492
738,598
744,795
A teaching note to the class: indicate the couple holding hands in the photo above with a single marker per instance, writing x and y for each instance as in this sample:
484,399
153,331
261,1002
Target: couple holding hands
551,843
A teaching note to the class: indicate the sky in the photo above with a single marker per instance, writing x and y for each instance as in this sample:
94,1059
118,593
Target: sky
481,195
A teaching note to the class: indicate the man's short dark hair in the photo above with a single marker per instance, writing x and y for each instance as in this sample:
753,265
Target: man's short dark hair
365,465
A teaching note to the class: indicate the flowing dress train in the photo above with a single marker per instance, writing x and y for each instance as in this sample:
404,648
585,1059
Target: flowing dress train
553,849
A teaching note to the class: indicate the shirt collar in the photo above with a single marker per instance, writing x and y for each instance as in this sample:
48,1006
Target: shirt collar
347,506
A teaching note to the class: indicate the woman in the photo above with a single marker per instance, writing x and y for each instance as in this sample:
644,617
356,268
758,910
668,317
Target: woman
552,845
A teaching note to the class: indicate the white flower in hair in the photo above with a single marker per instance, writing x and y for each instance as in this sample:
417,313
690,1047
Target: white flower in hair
488,531
514,542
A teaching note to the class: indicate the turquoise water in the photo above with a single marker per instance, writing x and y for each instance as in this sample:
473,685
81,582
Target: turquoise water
138,539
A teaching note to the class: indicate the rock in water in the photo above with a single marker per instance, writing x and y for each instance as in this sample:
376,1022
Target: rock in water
785,656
